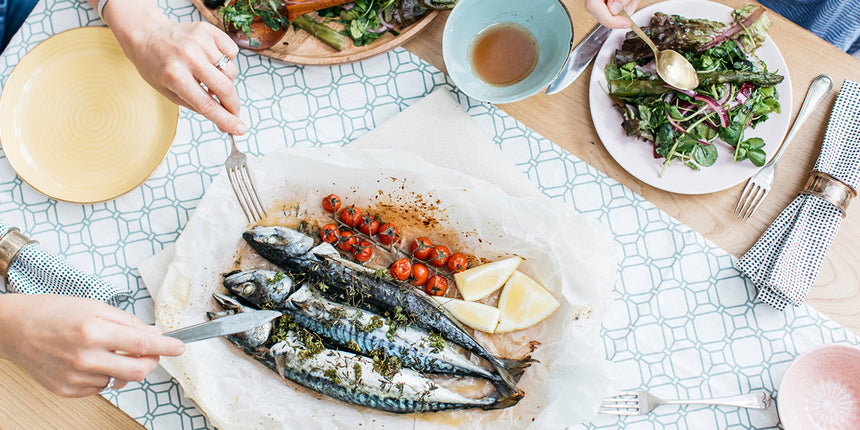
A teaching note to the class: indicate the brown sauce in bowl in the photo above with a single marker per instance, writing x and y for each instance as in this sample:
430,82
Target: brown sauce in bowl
504,54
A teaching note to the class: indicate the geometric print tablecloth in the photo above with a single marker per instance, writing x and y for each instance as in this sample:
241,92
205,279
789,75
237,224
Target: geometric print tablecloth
683,322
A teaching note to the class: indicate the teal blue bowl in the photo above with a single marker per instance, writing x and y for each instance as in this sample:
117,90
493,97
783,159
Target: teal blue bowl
549,22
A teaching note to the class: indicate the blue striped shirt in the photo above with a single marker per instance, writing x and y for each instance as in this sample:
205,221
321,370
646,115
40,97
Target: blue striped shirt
12,15
836,21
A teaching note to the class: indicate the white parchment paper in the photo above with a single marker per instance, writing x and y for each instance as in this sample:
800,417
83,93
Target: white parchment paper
571,255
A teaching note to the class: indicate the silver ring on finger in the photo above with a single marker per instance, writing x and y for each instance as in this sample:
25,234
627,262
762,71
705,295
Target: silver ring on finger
109,385
222,62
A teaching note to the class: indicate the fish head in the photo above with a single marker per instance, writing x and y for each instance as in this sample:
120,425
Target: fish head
248,339
262,288
306,300
277,243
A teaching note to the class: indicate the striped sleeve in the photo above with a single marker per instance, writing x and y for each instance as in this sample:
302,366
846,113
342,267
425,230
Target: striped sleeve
836,21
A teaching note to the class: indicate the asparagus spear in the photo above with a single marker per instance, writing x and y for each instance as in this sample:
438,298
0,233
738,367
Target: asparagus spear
329,36
631,88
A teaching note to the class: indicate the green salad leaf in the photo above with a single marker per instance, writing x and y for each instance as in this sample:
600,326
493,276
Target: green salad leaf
736,91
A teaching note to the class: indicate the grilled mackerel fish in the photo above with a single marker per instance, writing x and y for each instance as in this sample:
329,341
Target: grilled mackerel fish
358,330
351,377
294,252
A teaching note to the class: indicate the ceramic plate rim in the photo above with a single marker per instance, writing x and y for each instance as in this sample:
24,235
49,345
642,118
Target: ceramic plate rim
795,365
17,163
638,160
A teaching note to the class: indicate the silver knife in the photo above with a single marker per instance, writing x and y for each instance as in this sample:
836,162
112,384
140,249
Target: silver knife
579,59
230,324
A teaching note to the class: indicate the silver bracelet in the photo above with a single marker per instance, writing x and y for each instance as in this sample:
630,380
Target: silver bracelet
101,8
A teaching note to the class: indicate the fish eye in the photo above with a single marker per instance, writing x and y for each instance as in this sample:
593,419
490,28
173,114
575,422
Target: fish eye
248,289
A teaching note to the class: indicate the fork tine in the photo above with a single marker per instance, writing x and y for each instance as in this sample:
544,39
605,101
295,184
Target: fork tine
749,203
742,199
618,411
234,182
246,197
259,211
749,200
614,403
760,200
755,204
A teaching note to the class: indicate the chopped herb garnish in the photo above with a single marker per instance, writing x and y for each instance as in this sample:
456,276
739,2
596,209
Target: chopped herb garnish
375,323
278,277
331,374
386,365
356,368
436,341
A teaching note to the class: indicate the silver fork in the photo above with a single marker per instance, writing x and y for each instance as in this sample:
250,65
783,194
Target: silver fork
760,184
642,402
243,184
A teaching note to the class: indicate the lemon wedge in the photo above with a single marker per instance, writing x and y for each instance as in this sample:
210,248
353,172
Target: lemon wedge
479,282
473,314
523,303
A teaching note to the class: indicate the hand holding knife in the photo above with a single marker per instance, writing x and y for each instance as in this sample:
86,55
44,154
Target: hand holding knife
235,323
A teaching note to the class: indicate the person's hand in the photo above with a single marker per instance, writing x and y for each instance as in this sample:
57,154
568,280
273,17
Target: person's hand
176,58
606,11
73,346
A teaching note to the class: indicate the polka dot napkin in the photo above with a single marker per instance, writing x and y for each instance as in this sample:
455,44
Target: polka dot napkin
36,271
785,261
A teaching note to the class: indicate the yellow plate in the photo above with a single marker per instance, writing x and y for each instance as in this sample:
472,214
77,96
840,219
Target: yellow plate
77,121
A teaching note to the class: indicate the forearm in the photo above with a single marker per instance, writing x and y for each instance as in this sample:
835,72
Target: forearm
124,17
7,328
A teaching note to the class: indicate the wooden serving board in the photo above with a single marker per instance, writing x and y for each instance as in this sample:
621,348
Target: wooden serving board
300,47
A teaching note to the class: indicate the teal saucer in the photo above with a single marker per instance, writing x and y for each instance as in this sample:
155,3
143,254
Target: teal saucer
547,20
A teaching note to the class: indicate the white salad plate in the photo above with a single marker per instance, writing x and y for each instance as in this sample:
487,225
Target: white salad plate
637,157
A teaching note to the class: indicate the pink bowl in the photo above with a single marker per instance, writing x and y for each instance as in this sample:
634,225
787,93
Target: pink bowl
821,390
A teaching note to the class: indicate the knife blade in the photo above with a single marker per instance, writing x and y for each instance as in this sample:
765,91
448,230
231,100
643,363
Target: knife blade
579,58
230,324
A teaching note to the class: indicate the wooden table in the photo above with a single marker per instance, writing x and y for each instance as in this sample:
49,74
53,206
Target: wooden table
565,120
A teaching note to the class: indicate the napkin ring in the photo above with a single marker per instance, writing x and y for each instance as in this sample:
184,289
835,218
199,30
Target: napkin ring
10,245
829,188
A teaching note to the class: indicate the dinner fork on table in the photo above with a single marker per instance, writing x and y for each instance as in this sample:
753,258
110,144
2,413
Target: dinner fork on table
760,184
243,184
642,402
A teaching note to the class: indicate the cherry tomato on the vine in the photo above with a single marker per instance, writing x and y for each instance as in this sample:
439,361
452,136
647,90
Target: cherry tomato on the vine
347,240
420,273
439,255
458,262
388,233
363,251
420,248
437,285
351,215
329,233
369,225
401,269
331,203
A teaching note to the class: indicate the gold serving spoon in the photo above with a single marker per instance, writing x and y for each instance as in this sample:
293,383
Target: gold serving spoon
672,67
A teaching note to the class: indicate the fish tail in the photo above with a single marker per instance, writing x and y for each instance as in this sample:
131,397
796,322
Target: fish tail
506,383
517,367
501,401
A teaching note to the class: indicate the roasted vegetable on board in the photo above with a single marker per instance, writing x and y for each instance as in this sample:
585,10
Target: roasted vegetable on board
259,24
